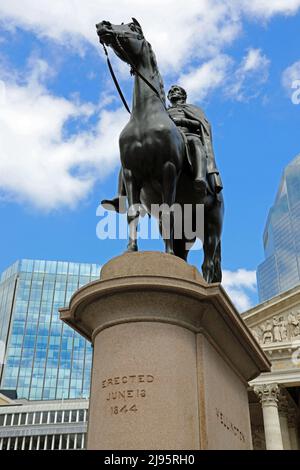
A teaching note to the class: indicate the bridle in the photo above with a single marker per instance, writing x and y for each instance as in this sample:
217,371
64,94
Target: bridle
134,70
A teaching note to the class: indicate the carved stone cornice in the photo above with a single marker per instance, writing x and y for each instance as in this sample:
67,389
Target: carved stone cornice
268,394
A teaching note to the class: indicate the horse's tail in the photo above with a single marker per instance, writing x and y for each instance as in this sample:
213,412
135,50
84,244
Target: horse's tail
217,264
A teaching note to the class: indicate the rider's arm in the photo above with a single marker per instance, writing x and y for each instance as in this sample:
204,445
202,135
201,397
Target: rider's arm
191,124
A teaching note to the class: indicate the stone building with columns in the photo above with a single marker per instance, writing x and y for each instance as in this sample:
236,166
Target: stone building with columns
274,397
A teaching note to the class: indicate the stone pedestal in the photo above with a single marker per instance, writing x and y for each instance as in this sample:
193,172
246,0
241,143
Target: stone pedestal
171,361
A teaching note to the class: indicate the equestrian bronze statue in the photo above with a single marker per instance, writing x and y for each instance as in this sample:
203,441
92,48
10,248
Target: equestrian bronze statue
166,155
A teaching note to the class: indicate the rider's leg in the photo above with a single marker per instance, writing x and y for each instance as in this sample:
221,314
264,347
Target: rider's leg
199,164
118,203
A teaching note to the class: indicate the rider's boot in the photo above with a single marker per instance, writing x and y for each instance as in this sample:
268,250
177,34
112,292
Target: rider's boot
115,204
118,203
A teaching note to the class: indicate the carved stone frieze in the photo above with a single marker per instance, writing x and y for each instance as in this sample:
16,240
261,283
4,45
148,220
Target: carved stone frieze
281,328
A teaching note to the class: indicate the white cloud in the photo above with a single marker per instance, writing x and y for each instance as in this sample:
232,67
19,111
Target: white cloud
240,286
289,77
269,8
252,72
253,61
178,31
199,30
210,75
39,163
240,82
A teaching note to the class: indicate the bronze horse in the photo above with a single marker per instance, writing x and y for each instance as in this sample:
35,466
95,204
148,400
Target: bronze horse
153,155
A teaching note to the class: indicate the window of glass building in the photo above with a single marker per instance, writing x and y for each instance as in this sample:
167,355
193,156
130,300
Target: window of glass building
5,443
29,418
27,442
52,416
37,417
35,443
71,441
59,416
8,420
56,441
64,441
13,443
16,419
44,417
19,443
42,442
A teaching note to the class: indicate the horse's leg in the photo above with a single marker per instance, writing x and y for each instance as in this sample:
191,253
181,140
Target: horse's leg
181,248
133,212
169,182
211,267
209,248
217,264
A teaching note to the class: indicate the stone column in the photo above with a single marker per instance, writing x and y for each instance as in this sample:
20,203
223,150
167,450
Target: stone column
283,418
293,433
268,395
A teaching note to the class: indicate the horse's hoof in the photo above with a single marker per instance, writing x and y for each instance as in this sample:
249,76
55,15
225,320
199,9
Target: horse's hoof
132,248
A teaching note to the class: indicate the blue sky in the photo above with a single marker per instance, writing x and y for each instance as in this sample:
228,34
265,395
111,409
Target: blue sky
60,118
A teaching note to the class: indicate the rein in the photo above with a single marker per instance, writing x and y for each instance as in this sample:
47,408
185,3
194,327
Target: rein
115,79
133,69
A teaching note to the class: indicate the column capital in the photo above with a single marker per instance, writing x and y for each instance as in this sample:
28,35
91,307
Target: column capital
268,394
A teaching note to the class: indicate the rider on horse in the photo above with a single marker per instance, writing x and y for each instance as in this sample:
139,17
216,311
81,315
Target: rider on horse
196,132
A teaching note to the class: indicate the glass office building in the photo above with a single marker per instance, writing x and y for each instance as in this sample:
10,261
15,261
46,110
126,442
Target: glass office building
45,359
281,269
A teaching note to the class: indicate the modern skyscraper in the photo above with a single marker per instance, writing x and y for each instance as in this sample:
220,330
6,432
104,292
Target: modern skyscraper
45,359
281,269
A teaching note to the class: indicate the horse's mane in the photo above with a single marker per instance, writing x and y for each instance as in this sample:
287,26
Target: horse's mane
157,72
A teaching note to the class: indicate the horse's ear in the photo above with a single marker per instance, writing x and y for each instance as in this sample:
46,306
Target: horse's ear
137,23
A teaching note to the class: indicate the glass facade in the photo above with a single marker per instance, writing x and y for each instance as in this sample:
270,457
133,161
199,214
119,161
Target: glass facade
281,269
8,283
45,359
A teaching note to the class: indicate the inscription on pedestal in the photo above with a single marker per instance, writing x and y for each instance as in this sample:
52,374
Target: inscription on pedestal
124,393
225,421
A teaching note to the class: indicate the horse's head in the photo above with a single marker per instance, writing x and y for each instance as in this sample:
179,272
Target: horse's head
126,39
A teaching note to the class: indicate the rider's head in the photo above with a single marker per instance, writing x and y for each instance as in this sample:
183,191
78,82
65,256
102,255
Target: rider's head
177,93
